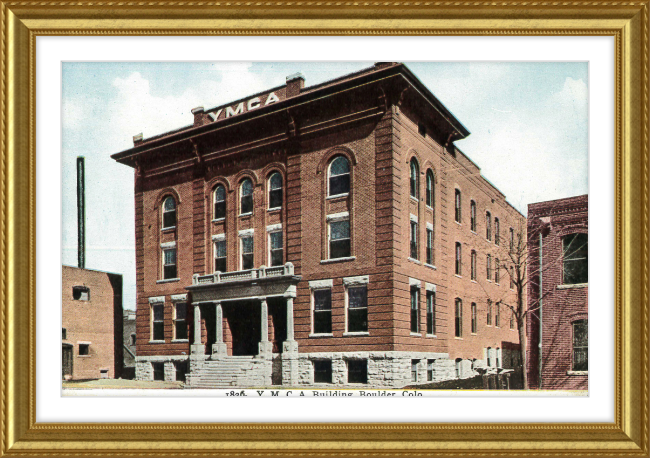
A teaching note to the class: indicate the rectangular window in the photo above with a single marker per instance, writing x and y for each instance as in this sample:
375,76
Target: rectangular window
339,239
474,322
512,320
357,309
497,315
512,240
415,308
459,264
575,263
180,368
512,277
276,248
457,204
64,334
81,293
158,371
472,210
580,345
169,263
489,312
414,370
180,321
431,313
414,240
84,349
357,371
459,318
430,370
422,130
322,371
322,311
473,265
497,239
158,322
220,256
429,246
247,253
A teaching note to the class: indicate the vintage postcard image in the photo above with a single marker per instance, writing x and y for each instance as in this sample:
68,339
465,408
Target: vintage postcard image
344,227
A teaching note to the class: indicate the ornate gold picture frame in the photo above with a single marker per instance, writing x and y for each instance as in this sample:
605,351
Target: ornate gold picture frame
23,21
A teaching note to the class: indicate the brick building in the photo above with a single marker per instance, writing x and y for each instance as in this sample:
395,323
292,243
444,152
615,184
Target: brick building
323,235
559,229
91,324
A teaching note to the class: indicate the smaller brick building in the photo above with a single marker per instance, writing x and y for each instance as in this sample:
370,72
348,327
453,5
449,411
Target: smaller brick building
558,235
91,324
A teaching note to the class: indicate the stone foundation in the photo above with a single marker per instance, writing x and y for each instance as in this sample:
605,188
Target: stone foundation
391,369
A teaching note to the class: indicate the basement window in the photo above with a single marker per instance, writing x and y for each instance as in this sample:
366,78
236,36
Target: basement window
81,293
323,371
158,371
358,371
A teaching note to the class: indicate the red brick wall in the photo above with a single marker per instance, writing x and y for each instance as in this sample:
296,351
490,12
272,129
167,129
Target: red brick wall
562,305
451,171
93,321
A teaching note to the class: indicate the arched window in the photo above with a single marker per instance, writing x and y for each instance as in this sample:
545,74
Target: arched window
169,212
219,202
473,266
457,205
488,269
488,226
246,196
430,189
275,190
415,178
497,240
459,267
472,214
497,274
339,176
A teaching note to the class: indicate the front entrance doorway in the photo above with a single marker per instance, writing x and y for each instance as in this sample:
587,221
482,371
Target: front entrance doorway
67,361
243,325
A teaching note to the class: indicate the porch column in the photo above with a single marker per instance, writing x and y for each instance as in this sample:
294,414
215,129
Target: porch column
265,347
219,347
197,348
290,318
290,345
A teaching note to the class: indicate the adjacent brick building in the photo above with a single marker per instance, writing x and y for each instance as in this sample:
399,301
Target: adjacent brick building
323,235
559,229
91,324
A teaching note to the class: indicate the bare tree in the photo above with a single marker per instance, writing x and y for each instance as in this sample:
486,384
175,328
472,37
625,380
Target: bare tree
518,259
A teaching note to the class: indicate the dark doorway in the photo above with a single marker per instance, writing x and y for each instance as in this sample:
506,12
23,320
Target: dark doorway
278,328
67,360
244,322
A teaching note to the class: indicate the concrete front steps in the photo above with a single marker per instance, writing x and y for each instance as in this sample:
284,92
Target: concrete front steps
230,372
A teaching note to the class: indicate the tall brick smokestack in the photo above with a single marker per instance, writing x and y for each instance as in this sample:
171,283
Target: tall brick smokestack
81,214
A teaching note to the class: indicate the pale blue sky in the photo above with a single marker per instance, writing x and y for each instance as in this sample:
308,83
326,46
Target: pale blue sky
528,124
